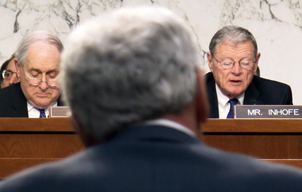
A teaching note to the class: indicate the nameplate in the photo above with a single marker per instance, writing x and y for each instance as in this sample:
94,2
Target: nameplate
268,111
59,111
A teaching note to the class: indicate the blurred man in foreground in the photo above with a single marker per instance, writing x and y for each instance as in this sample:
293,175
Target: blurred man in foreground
233,60
37,67
138,100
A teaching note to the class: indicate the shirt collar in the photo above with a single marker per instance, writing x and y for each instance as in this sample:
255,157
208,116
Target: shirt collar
35,113
170,124
223,99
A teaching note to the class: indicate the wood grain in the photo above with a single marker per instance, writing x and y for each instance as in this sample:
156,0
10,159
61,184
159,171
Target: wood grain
10,166
253,126
28,142
35,124
25,142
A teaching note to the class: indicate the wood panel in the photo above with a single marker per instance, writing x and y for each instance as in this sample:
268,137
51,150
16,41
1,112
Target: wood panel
27,142
274,140
253,126
37,145
13,165
35,124
260,146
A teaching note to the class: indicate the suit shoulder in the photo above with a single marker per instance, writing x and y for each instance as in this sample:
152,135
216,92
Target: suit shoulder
272,92
9,92
209,77
10,98
261,82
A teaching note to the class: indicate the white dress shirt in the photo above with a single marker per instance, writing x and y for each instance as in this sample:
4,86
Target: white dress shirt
35,113
223,105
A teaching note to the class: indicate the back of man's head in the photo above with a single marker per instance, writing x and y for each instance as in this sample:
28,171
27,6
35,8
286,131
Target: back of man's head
133,65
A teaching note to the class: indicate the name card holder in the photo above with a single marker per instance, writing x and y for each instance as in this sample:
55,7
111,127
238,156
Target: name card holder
268,111
59,111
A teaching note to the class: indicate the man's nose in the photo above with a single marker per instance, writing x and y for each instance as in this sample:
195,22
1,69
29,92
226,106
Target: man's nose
43,85
237,68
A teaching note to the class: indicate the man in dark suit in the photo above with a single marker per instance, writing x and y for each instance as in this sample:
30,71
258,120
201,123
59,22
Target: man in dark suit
138,99
260,92
233,61
37,66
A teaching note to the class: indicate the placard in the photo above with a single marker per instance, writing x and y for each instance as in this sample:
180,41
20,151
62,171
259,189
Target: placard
267,111
59,111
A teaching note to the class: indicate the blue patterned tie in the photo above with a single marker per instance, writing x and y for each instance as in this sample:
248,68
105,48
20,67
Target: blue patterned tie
42,113
232,103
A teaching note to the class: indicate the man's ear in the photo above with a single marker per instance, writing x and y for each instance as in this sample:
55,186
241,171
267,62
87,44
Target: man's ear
210,61
18,67
77,125
202,107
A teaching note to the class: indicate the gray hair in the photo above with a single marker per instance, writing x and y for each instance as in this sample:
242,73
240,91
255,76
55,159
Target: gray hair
22,49
136,64
233,34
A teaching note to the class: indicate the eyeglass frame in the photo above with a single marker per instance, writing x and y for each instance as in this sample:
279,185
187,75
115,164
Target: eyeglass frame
3,74
37,84
233,64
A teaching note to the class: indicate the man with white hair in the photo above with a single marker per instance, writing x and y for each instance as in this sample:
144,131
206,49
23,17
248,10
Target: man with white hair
138,99
37,66
233,60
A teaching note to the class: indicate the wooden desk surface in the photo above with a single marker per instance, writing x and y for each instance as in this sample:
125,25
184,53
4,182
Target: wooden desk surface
35,124
253,126
27,142
274,140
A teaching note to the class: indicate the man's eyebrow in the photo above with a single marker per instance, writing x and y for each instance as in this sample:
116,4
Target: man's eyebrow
47,72
35,69
52,70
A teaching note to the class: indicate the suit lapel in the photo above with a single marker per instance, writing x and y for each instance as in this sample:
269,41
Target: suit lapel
212,96
251,95
19,104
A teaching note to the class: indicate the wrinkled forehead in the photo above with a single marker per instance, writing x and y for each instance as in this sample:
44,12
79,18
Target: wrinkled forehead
235,43
226,45
42,56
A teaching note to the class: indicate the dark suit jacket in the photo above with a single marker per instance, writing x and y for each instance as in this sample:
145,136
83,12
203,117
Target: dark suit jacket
13,102
155,158
260,92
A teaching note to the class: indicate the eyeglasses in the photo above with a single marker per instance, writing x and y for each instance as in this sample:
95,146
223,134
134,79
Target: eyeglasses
229,63
52,82
7,74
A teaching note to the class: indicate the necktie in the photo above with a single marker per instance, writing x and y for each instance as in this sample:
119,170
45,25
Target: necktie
232,103
42,113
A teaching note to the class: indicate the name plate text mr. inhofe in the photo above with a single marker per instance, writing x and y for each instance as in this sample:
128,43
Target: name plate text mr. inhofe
267,111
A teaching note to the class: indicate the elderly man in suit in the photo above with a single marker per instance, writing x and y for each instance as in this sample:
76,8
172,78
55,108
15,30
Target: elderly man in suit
37,67
138,99
233,61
